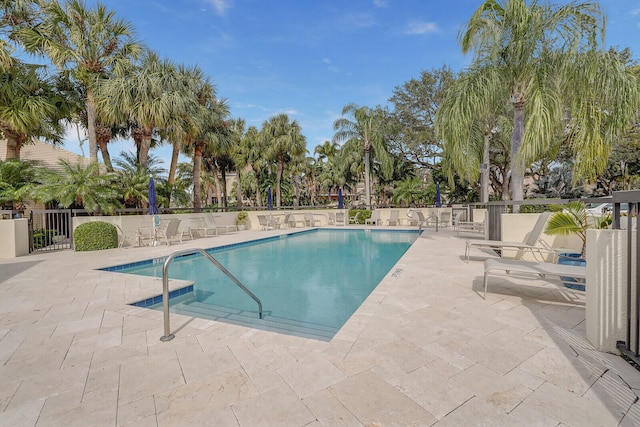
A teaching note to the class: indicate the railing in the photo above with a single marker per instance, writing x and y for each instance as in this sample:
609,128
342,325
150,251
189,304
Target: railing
168,336
496,209
631,346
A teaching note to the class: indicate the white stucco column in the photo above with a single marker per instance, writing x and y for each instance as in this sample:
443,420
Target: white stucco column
606,288
14,240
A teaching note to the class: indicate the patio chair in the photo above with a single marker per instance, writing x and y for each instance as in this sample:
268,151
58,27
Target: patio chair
375,218
310,220
266,223
355,219
540,269
472,226
341,218
445,219
211,223
529,243
291,221
200,227
394,217
332,219
170,232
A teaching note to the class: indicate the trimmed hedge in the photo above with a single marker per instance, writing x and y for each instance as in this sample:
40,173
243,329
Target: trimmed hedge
95,236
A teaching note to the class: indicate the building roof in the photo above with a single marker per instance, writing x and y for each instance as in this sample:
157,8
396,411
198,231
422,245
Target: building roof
47,155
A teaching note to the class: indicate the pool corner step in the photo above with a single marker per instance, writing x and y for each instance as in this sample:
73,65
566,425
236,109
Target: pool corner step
249,319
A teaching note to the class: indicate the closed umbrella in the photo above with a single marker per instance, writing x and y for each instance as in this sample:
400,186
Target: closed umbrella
438,201
269,205
340,201
153,209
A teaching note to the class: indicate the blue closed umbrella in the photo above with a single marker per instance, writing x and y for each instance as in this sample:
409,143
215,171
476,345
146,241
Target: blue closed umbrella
340,201
153,209
438,201
269,199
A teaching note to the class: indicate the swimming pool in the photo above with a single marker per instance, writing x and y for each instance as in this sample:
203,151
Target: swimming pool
310,282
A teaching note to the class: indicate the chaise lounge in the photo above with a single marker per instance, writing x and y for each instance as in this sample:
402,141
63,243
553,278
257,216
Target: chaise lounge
529,244
540,269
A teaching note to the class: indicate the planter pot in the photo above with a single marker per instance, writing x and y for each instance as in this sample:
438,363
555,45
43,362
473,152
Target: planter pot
572,259
242,227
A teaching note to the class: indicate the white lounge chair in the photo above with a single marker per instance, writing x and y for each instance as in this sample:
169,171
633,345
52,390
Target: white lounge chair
394,218
529,244
341,218
211,223
445,218
152,235
310,220
200,227
267,223
540,269
375,218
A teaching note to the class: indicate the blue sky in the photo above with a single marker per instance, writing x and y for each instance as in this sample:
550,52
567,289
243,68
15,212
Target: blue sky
309,58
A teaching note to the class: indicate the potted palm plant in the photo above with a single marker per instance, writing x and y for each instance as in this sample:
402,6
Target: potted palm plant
241,220
574,219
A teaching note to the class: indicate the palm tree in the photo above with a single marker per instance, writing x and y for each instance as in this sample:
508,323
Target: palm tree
365,134
327,151
78,186
240,161
251,154
16,178
468,121
30,107
542,54
133,179
150,95
283,140
204,126
411,191
89,42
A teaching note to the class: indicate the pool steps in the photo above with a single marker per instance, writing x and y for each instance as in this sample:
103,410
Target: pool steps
250,319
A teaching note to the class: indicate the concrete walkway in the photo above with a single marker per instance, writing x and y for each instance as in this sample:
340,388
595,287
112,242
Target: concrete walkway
424,349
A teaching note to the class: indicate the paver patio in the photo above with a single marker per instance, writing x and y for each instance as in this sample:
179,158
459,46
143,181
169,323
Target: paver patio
424,349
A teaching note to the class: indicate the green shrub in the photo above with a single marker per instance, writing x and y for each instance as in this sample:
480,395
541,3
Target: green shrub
363,214
43,238
95,236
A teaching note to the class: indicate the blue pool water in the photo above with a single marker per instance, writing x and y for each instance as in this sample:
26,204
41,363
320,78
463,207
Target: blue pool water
310,282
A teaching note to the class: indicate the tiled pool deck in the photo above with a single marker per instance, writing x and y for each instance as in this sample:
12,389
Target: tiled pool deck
424,349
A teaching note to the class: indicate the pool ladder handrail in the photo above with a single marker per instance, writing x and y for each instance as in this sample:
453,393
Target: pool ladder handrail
168,336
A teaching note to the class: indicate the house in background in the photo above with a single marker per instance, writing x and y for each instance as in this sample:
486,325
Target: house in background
47,155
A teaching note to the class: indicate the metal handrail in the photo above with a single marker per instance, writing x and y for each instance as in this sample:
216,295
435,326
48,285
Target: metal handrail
168,336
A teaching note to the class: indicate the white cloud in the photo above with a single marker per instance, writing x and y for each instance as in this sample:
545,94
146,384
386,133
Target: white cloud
635,12
420,27
220,6
380,3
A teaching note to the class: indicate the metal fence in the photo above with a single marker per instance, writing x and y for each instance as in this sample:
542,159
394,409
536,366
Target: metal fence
631,346
50,229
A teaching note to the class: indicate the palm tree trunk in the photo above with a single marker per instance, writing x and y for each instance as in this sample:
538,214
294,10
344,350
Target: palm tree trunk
172,169
145,146
367,179
484,170
258,196
13,144
197,167
91,128
279,180
238,190
517,168
103,136
223,175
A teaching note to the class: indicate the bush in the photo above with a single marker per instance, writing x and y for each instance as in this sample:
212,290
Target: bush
363,214
43,238
95,236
